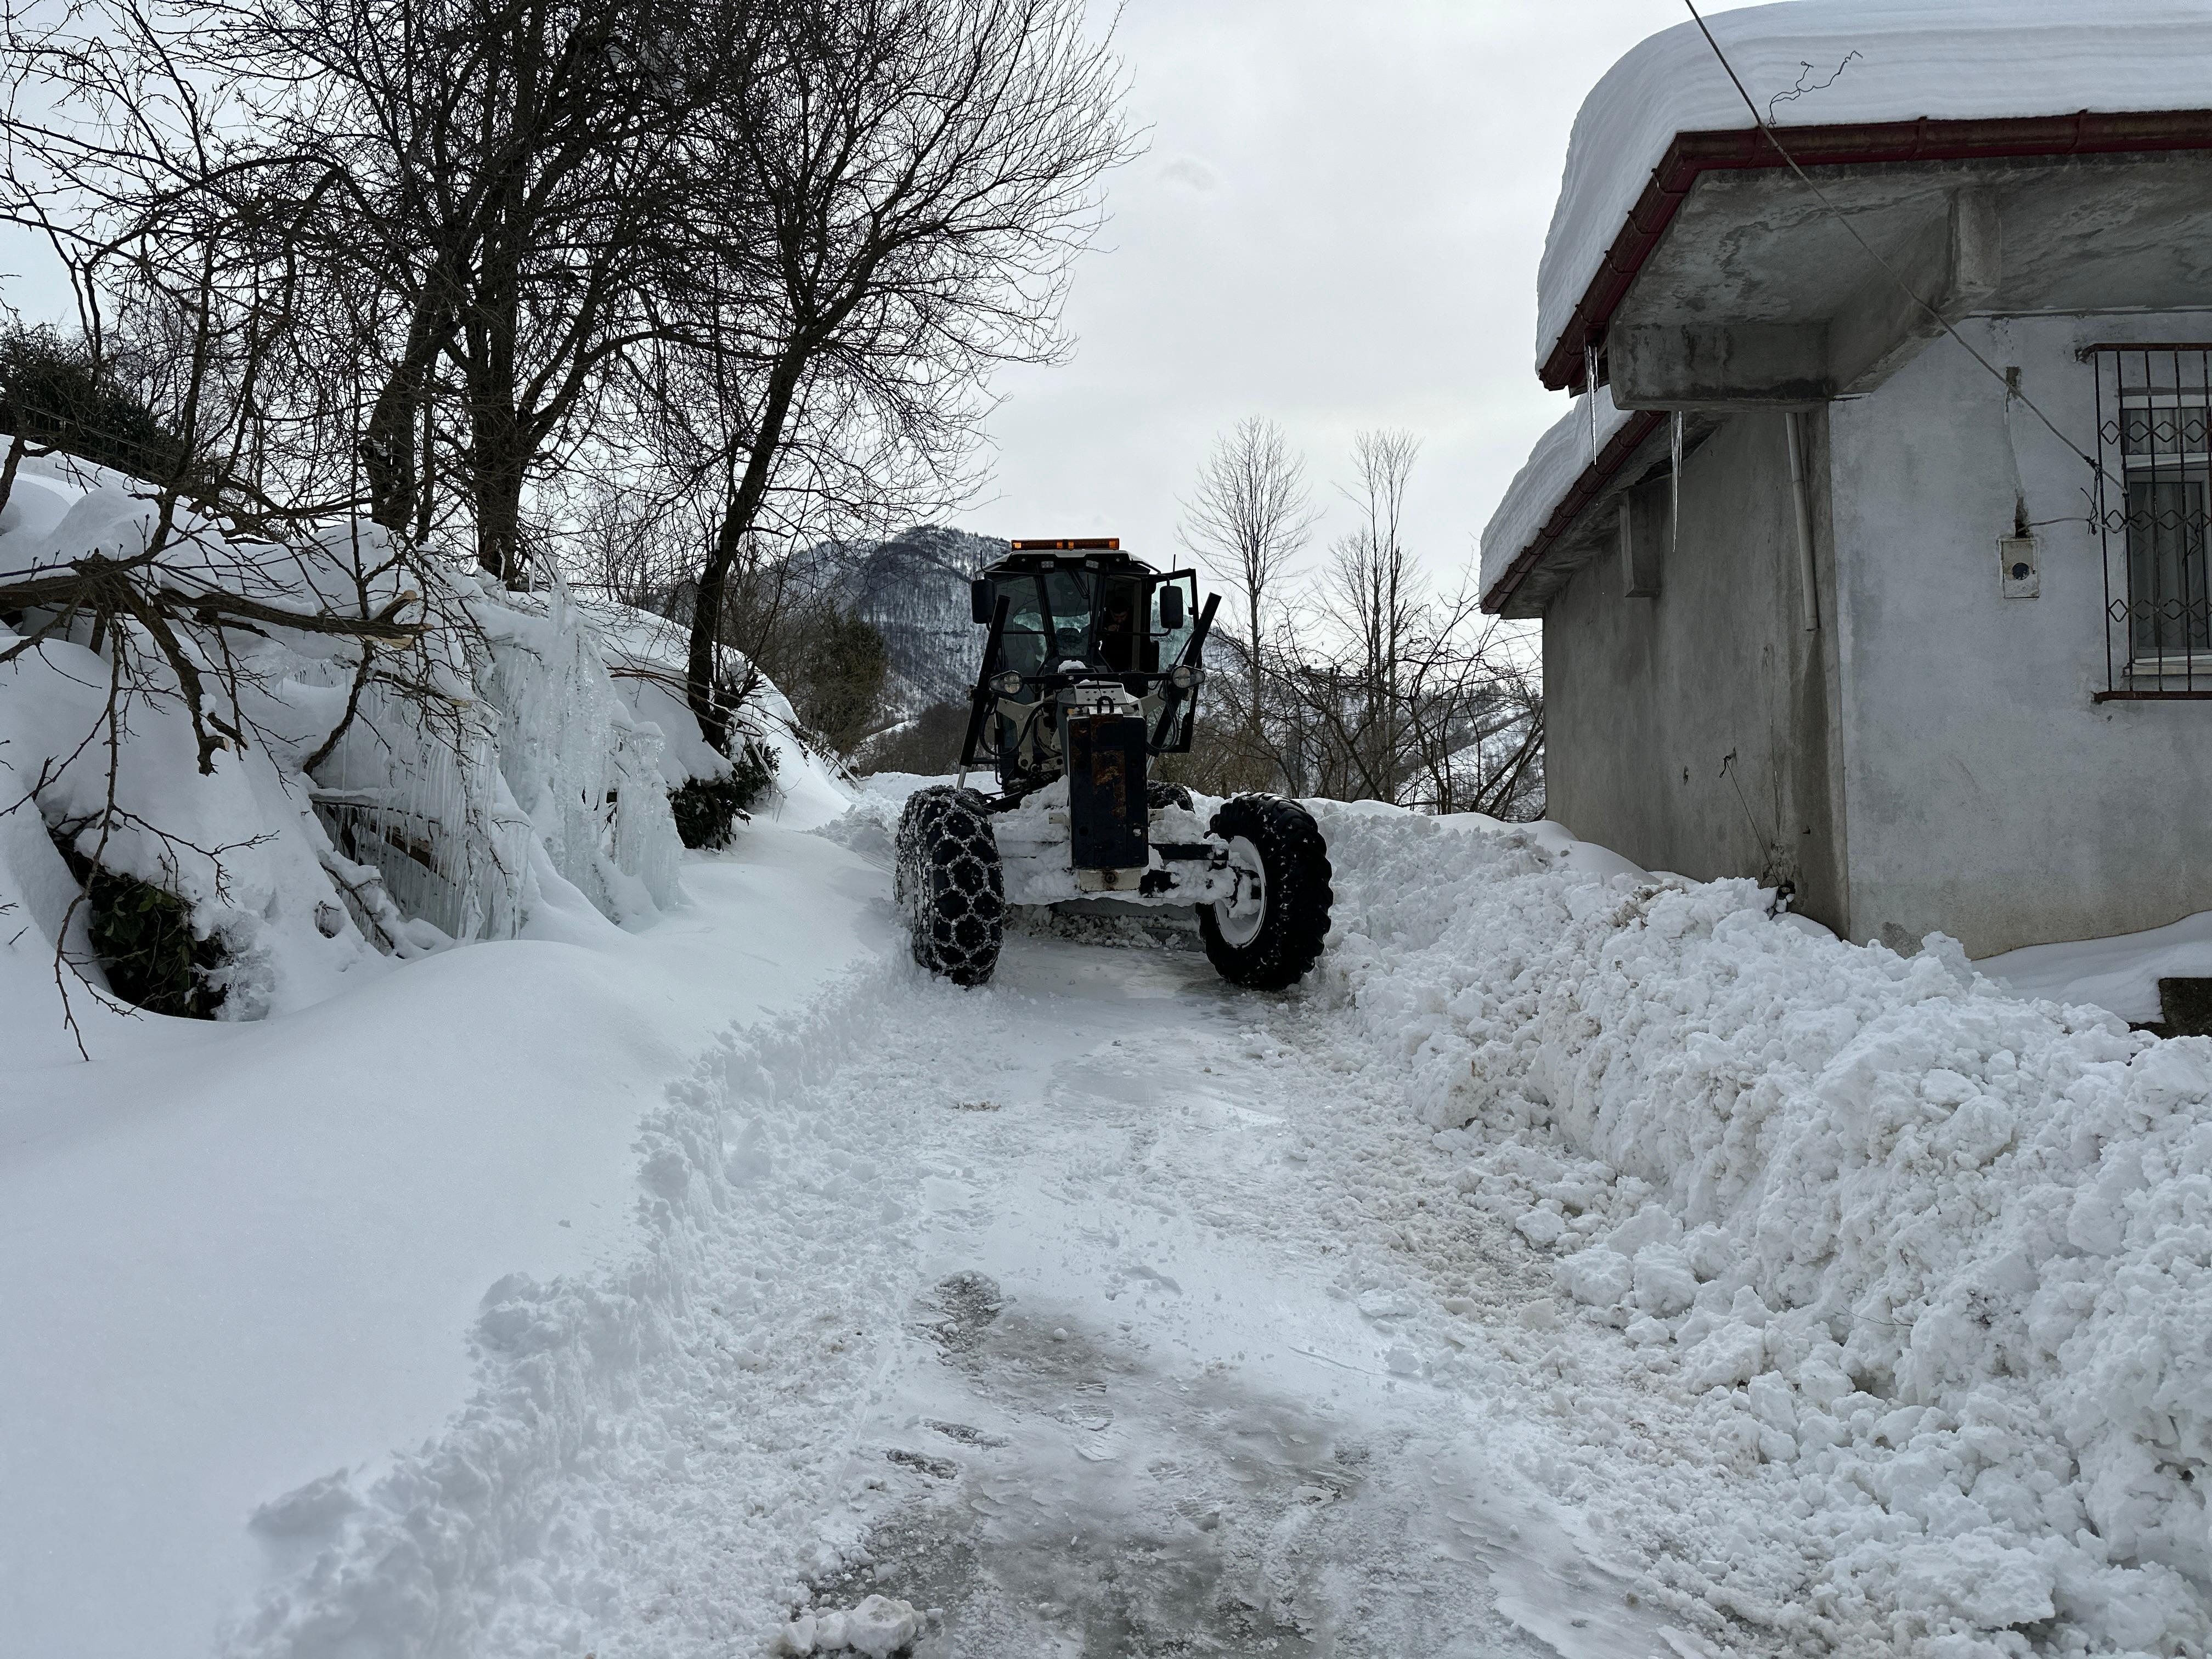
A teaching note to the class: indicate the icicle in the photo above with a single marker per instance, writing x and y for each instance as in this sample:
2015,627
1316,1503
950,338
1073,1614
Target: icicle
1590,392
1674,526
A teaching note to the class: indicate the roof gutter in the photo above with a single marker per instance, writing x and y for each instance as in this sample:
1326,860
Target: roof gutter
1692,155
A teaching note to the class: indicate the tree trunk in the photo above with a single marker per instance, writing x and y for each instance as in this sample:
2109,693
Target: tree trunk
387,447
500,452
743,507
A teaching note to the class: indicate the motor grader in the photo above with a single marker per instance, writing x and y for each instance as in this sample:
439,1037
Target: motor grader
1091,669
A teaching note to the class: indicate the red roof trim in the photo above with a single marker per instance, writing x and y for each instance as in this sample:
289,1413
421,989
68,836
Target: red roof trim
1593,478
1694,154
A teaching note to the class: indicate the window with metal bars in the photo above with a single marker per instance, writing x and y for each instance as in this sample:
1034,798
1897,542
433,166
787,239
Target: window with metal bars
2154,489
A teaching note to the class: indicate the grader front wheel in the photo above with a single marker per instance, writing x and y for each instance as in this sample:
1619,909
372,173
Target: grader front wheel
1269,931
950,885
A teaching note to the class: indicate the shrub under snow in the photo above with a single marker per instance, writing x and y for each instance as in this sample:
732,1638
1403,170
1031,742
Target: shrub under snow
1952,1250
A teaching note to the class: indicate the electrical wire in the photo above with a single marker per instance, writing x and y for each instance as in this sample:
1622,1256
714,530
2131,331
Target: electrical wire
1903,287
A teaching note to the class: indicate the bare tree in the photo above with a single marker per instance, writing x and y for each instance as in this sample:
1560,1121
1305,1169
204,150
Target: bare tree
502,176
916,176
1370,595
1471,713
1247,519
1363,685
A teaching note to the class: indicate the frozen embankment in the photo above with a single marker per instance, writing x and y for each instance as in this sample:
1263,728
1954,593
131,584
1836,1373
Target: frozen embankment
1942,1255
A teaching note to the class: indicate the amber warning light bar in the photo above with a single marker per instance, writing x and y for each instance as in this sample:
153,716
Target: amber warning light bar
1065,544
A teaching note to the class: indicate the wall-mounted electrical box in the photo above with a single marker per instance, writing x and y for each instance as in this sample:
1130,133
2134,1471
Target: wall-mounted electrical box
2020,571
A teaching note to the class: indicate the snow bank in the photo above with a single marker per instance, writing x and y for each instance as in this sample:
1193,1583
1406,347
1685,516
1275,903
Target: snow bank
647,655
540,1514
1543,479
1949,1251
480,775
240,843
1898,60
245,1258
870,826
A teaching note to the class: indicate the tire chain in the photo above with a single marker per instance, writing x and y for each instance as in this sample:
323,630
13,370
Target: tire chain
950,884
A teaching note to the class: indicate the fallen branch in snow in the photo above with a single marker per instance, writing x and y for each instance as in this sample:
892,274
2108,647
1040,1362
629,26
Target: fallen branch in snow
364,885
99,582
111,591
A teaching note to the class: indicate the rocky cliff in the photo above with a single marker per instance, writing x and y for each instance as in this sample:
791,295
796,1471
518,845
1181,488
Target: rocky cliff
913,587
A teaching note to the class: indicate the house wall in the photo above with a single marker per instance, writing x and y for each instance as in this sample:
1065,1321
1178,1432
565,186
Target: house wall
1987,793
1692,732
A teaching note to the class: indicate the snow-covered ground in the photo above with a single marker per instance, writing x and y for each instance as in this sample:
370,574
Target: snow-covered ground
242,1256
1105,1309
1581,1263
2121,973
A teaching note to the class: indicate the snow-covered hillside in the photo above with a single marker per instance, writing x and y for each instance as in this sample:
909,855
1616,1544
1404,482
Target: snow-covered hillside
913,587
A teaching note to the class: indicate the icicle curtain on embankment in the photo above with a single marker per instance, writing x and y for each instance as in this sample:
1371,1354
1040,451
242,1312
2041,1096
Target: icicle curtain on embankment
443,797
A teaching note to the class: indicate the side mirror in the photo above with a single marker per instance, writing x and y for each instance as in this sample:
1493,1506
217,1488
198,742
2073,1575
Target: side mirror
1170,607
981,600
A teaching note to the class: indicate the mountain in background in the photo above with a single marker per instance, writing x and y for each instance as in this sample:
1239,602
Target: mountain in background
913,587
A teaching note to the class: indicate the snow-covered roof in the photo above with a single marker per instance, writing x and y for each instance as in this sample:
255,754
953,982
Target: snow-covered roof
1819,63
1559,459
1858,60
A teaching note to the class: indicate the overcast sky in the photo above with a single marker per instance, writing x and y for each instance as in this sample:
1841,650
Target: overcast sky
1336,225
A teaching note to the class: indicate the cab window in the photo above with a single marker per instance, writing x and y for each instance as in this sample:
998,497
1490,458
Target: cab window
1021,646
1067,597
1173,642
1124,645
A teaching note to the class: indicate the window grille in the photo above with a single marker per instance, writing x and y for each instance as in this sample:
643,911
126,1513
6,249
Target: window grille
2155,495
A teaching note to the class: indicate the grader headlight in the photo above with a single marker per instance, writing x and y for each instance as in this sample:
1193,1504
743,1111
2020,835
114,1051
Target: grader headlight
1186,676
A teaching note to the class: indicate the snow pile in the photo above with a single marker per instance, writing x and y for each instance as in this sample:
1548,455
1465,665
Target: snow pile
1947,1251
238,843
1857,60
870,826
1566,447
541,1514
524,750
582,765
879,1627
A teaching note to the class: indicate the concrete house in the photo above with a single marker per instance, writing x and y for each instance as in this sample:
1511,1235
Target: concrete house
1872,556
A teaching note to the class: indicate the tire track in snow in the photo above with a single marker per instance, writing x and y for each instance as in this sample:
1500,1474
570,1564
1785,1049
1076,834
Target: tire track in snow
1240,1392
1209,1413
